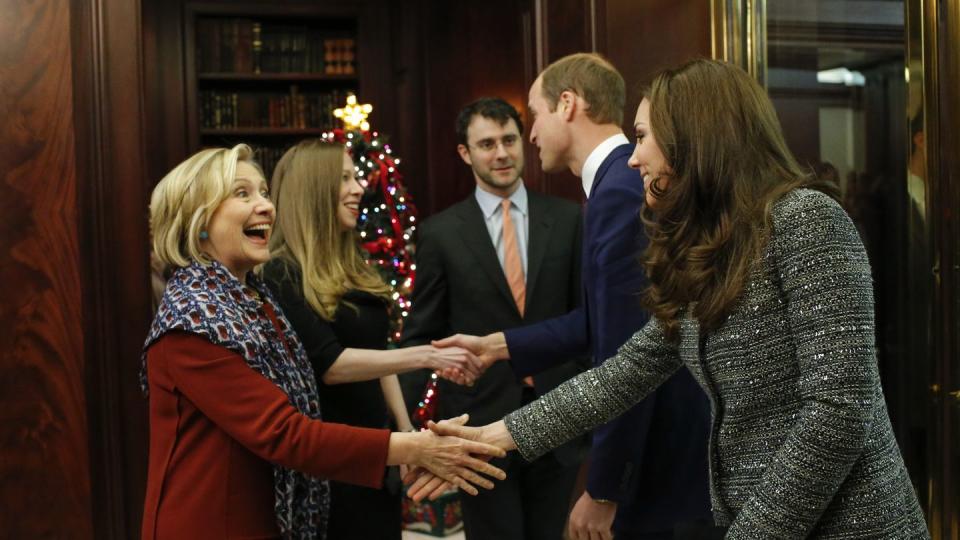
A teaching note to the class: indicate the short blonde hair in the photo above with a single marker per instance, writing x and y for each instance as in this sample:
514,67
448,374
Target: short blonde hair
593,78
184,201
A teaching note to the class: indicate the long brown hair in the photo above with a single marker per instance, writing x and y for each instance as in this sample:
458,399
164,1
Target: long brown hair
729,164
307,233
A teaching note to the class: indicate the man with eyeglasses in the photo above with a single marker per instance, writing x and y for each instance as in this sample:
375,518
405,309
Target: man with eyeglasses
503,257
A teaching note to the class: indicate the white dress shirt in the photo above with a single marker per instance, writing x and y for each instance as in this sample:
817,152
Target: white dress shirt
592,164
493,216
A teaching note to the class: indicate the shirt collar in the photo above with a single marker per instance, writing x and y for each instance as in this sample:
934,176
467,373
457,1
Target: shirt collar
489,202
592,164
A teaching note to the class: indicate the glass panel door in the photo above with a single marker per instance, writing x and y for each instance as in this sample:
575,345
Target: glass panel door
836,71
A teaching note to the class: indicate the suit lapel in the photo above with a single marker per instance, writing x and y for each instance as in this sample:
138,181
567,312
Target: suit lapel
473,230
602,171
540,222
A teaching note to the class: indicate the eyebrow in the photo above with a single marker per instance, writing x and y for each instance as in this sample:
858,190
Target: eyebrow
238,179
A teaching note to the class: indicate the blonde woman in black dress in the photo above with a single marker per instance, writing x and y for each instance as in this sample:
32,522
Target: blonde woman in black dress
338,306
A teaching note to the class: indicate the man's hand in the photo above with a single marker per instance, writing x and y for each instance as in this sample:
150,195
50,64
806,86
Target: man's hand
591,520
488,349
456,364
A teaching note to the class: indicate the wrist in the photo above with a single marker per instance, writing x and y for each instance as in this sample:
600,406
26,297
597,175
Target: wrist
402,448
498,435
496,344
419,356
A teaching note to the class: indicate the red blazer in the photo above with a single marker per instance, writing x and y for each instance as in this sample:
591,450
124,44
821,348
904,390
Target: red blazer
216,428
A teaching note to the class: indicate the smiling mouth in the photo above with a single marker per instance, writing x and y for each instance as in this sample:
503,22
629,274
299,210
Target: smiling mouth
353,207
261,232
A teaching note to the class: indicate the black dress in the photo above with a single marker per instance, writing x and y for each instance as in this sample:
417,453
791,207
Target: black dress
361,322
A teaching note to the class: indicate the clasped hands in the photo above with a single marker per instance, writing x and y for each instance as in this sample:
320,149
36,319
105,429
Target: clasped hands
473,354
425,482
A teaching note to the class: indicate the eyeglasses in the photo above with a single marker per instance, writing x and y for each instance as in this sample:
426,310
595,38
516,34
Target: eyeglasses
490,145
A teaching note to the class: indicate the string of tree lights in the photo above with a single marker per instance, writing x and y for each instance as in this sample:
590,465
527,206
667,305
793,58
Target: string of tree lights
387,222
388,217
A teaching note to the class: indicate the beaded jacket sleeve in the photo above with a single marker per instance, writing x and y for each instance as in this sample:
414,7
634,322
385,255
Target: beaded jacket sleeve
801,442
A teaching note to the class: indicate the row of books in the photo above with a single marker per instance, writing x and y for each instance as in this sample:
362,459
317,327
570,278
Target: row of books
268,156
225,109
237,45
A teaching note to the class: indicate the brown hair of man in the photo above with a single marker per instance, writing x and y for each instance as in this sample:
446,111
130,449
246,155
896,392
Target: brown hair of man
593,78
729,163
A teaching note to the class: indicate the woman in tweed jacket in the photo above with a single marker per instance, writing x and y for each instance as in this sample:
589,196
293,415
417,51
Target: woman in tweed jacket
760,287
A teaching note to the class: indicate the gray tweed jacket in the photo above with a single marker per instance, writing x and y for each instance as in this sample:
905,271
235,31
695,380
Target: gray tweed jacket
801,443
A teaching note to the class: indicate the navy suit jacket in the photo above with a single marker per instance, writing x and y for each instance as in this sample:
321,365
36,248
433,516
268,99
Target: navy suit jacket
652,460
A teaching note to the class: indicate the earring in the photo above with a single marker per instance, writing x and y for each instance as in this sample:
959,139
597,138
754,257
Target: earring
204,235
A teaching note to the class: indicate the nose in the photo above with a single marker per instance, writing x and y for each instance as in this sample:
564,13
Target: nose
355,187
533,134
634,161
501,150
265,207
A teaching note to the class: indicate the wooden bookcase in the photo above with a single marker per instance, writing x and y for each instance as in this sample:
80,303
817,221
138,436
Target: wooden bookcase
267,75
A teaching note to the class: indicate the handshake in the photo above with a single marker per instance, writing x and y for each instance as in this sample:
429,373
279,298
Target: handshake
462,358
455,454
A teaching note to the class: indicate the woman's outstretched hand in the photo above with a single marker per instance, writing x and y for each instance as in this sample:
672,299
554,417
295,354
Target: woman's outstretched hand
457,461
426,484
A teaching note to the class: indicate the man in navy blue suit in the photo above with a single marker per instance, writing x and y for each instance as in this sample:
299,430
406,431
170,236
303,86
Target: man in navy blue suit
648,468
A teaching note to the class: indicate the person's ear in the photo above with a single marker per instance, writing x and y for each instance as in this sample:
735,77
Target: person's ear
566,104
464,154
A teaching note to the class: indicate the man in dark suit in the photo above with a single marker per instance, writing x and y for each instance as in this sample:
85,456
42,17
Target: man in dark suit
648,468
502,257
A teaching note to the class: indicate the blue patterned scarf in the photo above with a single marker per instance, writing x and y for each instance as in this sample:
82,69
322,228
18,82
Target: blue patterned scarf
211,302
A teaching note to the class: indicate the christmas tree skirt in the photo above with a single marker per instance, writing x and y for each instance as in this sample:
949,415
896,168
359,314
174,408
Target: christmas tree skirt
436,518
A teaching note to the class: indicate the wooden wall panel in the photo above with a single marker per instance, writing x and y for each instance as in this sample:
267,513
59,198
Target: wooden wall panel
468,52
640,38
113,194
44,479
565,28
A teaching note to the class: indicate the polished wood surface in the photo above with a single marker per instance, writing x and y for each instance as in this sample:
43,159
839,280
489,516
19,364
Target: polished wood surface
114,260
44,478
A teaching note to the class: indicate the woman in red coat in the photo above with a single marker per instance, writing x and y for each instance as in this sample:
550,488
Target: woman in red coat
237,447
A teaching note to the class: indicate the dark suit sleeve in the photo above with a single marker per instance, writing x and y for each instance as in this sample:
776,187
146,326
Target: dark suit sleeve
613,238
541,346
429,316
549,343
616,241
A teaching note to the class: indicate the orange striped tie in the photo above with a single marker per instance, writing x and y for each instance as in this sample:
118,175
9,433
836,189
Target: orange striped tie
512,264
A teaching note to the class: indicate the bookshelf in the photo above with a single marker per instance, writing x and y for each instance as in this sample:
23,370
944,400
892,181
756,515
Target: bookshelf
266,76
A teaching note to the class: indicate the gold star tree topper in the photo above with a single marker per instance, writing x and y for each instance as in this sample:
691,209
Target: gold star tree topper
354,115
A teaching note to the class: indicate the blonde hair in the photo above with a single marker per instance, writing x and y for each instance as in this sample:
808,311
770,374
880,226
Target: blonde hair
308,234
593,78
184,201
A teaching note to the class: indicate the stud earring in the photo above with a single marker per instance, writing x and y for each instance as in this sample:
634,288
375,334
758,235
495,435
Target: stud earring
204,235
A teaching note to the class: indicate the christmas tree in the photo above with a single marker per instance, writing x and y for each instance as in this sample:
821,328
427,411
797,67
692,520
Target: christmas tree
387,224
388,216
